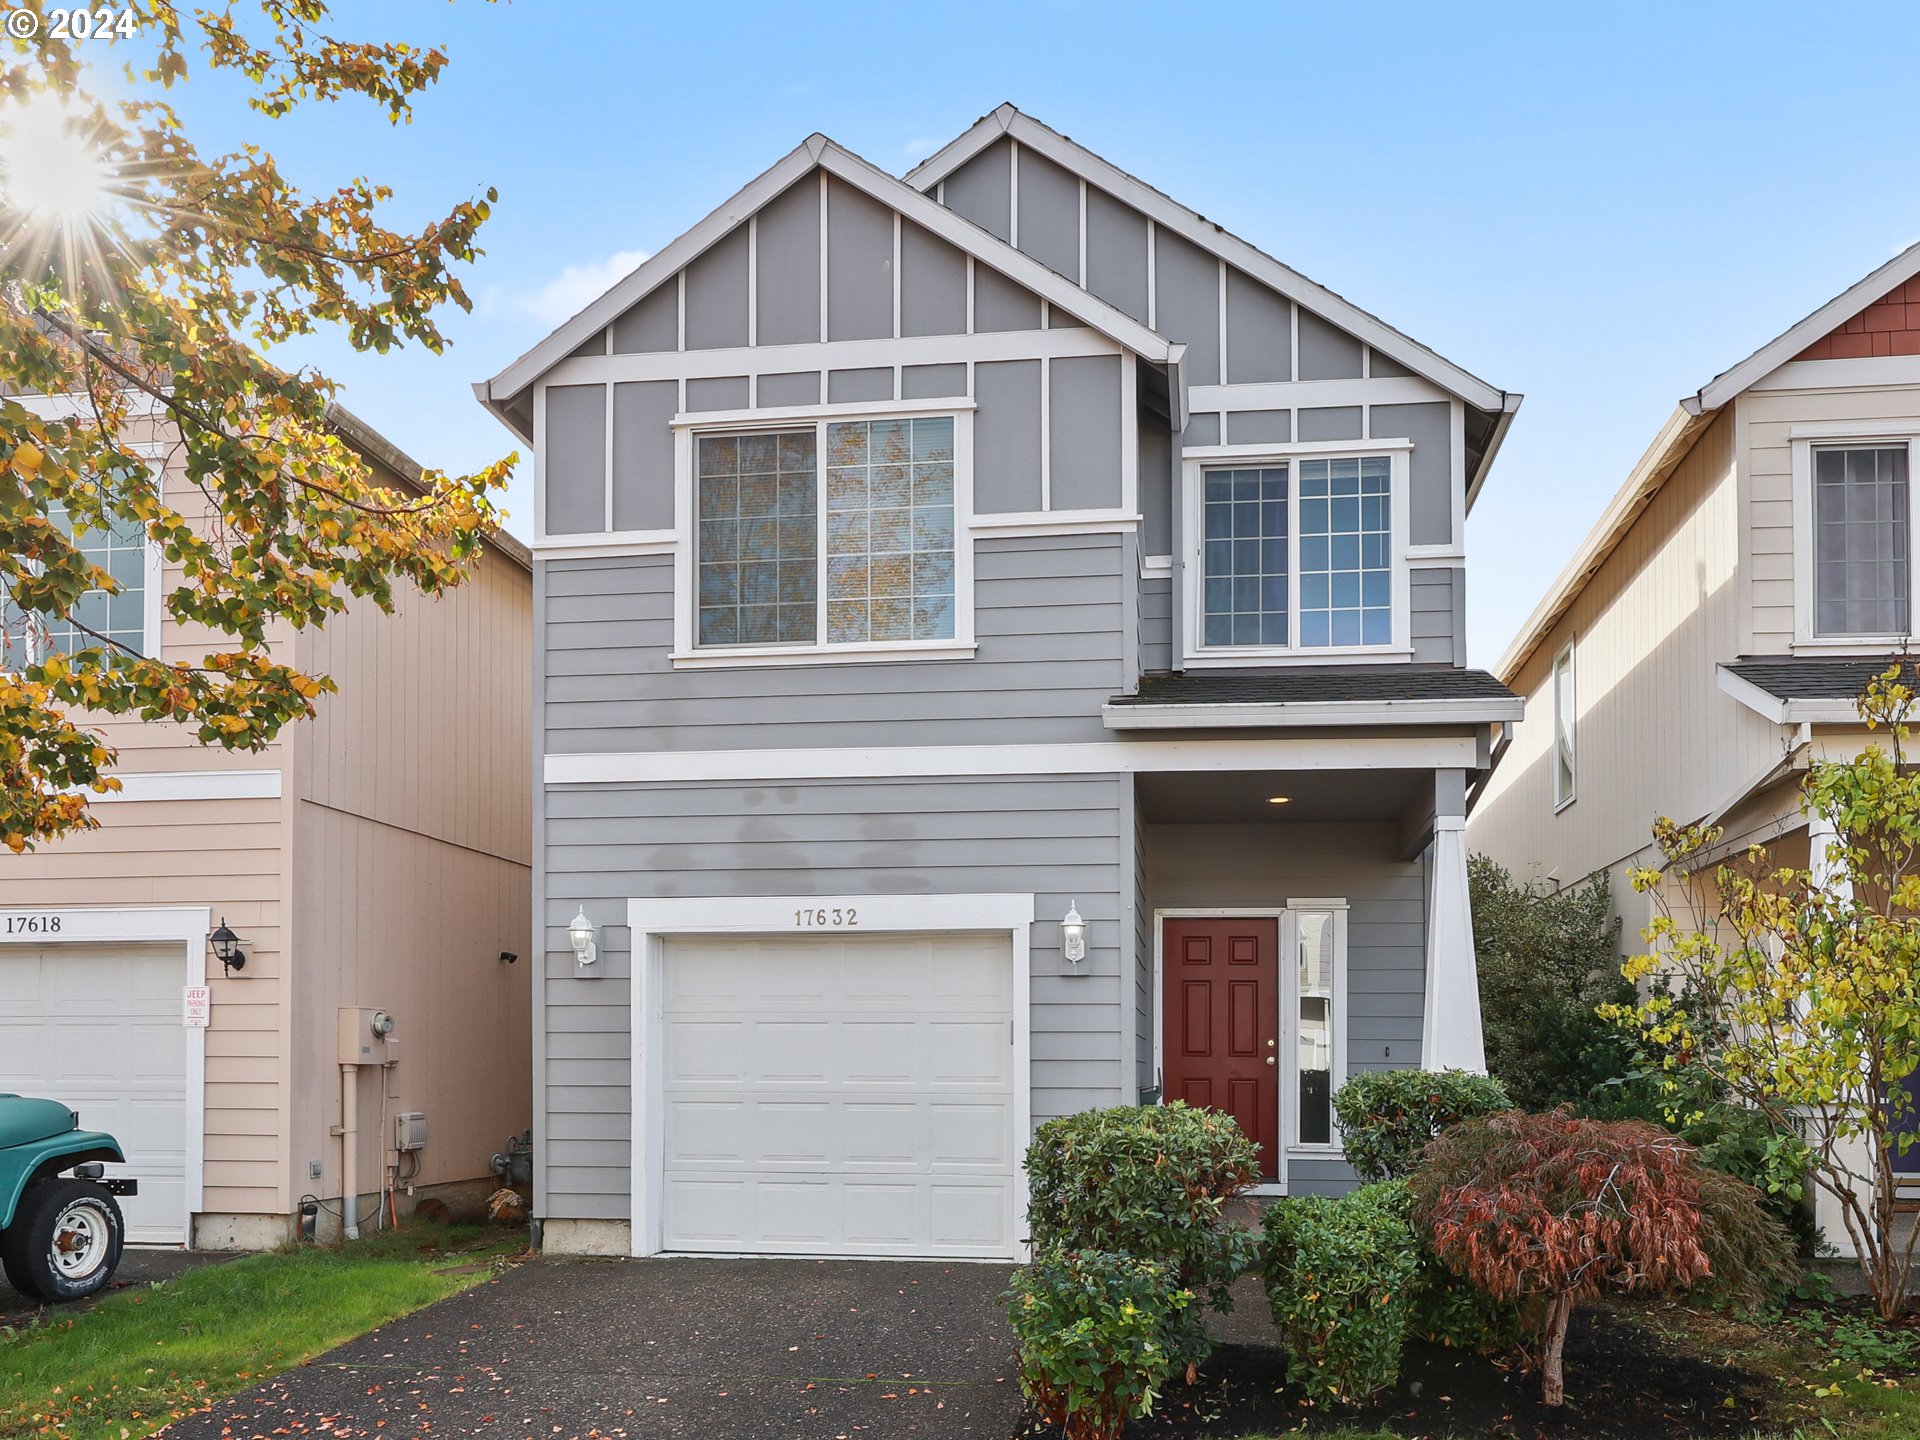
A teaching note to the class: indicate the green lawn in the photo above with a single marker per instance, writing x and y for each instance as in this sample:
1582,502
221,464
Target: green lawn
143,1357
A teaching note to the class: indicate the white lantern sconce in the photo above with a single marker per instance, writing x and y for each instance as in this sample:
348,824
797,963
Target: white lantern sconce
1073,935
580,935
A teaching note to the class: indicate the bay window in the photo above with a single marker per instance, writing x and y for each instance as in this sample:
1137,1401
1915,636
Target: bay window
1297,554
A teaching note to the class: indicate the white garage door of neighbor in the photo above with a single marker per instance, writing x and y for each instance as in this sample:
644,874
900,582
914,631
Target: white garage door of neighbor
839,1096
98,1029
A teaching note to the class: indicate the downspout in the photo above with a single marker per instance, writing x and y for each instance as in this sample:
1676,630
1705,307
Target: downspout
349,1157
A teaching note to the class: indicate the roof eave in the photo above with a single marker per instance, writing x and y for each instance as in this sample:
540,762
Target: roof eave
1009,121
1509,407
818,150
1258,714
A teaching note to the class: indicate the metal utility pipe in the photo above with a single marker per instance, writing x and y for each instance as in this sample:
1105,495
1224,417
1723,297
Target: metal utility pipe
349,1159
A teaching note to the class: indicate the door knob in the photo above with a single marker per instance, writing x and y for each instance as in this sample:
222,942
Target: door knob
1272,1061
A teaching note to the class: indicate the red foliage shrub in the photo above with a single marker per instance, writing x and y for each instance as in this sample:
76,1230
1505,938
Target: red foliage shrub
1550,1210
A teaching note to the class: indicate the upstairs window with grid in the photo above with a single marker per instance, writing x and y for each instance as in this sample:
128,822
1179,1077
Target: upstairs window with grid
1862,546
867,559
98,620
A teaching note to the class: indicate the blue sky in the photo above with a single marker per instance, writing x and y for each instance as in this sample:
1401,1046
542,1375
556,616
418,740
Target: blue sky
1599,205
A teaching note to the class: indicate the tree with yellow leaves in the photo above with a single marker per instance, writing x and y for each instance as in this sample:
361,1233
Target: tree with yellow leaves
1799,990
140,284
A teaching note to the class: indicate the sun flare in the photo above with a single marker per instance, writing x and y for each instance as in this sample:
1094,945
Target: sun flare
51,170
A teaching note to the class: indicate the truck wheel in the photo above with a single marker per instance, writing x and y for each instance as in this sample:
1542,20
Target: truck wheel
64,1243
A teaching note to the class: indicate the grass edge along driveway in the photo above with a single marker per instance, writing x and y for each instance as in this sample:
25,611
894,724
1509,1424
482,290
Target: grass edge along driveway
143,1357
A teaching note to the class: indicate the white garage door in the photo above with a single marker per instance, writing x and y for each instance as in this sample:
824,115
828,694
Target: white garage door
98,1029
839,1096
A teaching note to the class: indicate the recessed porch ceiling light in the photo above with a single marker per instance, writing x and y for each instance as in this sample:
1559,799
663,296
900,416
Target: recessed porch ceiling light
1278,799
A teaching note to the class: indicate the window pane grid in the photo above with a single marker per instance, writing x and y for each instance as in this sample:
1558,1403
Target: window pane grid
890,530
1861,540
121,551
1244,523
1346,580
759,538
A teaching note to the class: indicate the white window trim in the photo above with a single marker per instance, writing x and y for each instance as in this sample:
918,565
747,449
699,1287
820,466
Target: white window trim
1195,653
1565,653
1290,1016
1286,918
1805,440
689,654
654,922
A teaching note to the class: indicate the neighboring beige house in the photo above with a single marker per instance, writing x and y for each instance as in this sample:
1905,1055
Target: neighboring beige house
1710,634
375,856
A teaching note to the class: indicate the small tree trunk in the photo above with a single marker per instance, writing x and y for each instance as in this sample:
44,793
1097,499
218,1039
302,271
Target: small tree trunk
1553,1380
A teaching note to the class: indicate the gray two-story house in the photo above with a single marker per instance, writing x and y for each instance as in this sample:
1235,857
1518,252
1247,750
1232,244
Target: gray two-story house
999,653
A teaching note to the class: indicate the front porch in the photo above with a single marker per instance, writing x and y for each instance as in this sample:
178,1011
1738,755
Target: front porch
1294,928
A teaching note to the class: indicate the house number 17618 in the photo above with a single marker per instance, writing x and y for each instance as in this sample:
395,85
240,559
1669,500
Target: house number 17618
826,919
33,924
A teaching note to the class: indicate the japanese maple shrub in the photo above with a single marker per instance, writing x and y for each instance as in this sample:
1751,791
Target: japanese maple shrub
1387,1117
1551,1211
1099,1334
1341,1276
1151,1181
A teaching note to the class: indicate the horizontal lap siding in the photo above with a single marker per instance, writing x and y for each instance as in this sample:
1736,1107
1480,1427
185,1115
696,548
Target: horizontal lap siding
1048,621
1259,866
1058,837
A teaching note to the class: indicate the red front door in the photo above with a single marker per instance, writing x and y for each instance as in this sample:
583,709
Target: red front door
1222,1014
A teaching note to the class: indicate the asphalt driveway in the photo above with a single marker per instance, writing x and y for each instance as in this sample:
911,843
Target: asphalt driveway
727,1349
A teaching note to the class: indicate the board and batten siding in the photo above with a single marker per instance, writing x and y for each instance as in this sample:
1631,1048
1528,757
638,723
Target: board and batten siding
1655,734
1060,837
1254,358
1228,866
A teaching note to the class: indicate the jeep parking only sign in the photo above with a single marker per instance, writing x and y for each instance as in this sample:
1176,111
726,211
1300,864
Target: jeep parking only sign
197,1006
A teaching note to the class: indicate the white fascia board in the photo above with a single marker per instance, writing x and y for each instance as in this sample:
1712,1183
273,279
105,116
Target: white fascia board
889,191
1821,710
1502,423
1668,449
1474,710
1091,757
1077,159
192,785
1783,347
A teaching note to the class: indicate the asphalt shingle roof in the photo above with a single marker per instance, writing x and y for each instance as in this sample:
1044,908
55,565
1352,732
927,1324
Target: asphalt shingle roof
1316,684
1813,677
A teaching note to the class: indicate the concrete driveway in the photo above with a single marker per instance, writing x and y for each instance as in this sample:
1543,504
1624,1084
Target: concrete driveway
727,1349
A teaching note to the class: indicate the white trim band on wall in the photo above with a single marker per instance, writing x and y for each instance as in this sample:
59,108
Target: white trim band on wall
193,785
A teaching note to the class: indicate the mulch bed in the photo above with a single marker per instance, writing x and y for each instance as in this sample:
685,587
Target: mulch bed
1623,1383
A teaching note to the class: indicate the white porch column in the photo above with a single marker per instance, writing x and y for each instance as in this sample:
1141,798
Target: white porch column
1450,1034
1831,877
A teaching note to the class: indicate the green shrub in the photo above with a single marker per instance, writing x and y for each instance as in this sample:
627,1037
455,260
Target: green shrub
1150,1181
1341,1276
1545,960
1099,1334
1387,1117
1448,1310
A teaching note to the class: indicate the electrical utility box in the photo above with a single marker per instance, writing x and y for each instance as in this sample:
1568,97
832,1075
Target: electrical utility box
365,1035
410,1130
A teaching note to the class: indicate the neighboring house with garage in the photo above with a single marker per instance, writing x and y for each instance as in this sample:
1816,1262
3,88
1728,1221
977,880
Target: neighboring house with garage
374,856
1711,634
1000,653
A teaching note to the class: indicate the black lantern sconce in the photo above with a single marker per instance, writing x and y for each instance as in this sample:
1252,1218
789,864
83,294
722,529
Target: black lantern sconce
226,948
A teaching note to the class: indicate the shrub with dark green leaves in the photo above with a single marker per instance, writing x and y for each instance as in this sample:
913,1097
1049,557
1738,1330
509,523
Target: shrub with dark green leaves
1099,1334
1341,1277
1387,1117
1545,960
1151,1181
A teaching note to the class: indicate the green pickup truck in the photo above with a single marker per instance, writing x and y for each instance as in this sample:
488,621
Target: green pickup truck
60,1226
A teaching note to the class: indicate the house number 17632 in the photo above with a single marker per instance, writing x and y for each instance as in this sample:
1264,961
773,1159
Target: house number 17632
826,919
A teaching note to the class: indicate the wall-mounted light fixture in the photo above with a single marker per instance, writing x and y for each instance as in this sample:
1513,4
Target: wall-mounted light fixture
580,932
507,957
226,948
1073,935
